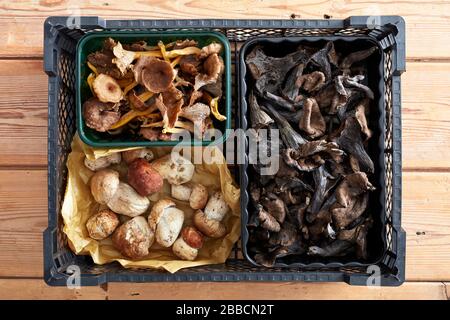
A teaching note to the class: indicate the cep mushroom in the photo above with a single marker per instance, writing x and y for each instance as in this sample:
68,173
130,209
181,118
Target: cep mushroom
100,116
102,224
102,162
209,221
120,197
187,245
144,178
165,220
143,153
133,238
175,168
197,195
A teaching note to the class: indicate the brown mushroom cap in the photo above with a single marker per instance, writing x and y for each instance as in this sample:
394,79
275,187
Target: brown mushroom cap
133,238
157,75
104,184
143,178
189,64
198,197
98,115
192,237
107,89
212,48
212,69
102,224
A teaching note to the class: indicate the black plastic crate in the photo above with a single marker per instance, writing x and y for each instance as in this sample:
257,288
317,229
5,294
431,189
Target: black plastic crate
61,35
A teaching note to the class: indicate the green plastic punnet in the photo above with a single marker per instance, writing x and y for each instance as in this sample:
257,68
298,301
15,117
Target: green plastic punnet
93,41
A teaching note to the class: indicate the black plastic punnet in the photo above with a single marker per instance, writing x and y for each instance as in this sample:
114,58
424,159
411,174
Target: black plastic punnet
61,35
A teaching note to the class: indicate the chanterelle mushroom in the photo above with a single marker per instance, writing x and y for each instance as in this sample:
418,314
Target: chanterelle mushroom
197,113
154,74
100,116
212,70
169,104
107,89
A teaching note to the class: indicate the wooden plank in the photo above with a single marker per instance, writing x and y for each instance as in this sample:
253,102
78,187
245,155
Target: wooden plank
37,289
23,113
425,115
426,110
426,219
427,30
281,291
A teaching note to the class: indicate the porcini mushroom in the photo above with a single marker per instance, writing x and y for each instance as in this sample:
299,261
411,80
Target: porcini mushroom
133,238
142,153
102,162
104,184
143,178
102,224
187,245
175,168
165,220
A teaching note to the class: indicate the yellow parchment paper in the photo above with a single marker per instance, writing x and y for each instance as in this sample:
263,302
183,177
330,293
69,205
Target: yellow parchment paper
79,205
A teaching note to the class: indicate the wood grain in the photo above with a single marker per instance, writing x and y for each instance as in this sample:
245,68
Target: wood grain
426,219
22,22
23,113
426,114
36,289
282,291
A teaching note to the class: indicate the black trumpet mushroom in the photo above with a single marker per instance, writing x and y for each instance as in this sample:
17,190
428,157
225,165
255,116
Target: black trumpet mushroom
316,205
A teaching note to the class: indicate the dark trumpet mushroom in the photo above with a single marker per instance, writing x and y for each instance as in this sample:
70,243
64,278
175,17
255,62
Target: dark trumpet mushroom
312,121
357,236
312,81
258,118
323,181
290,137
360,115
255,193
285,171
285,237
343,216
354,82
337,248
280,101
353,185
274,206
316,204
291,87
274,69
285,183
267,221
355,57
316,230
298,211
320,58
350,141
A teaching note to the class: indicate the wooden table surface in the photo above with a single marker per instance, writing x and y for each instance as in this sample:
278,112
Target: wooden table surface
426,146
